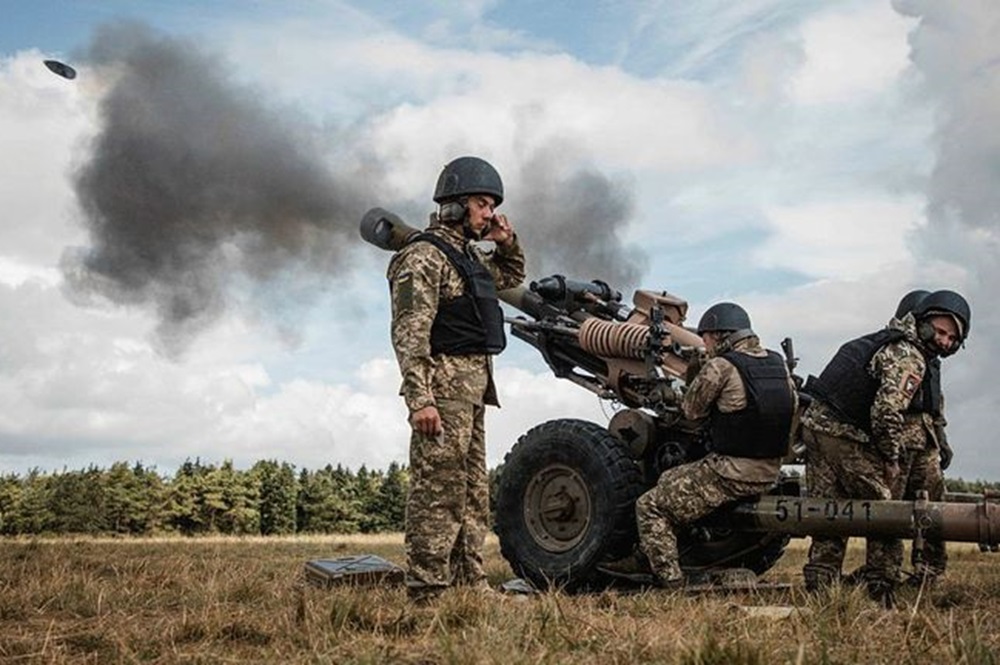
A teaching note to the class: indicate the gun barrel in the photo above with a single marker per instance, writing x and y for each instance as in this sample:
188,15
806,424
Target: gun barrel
801,516
522,299
559,289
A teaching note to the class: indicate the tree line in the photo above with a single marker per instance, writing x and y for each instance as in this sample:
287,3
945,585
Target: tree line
270,498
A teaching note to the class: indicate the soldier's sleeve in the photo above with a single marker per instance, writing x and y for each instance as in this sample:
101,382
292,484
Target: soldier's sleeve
941,436
506,264
940,420
900,368
415,280
704,390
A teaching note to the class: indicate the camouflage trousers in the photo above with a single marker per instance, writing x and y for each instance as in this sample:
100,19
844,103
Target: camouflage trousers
447,509
682,495
840,468
920,469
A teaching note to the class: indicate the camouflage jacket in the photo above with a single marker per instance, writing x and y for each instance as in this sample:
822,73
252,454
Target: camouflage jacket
718,384
920,430
899,368
421,276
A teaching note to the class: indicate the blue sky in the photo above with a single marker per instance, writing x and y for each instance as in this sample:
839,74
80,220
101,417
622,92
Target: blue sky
811,160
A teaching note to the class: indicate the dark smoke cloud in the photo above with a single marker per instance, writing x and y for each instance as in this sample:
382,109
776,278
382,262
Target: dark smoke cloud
954,47
201,197
572,224
193,179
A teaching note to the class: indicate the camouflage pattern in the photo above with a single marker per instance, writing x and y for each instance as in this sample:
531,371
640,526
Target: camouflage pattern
918,429
682,495
839,467
690,491
420,276
899,367
920,469
447,508
718,384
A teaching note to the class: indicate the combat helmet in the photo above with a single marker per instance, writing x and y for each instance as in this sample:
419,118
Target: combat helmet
909,302
944,303
465,176
724,317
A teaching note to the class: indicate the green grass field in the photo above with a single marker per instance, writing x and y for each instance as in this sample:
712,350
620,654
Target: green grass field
230,600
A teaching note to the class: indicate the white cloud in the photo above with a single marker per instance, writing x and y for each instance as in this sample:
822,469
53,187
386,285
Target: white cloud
42,118
840,240
513,105
851,54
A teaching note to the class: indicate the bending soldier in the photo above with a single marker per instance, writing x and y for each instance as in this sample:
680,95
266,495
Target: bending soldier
877,404
930,453
748,400
924,457
446,325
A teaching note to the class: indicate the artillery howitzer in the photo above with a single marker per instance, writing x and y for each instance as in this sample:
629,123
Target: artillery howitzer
566,493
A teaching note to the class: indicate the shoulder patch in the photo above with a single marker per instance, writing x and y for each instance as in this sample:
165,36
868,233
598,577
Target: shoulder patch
404,292
910,383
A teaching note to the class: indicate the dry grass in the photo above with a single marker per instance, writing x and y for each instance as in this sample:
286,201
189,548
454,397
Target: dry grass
238,600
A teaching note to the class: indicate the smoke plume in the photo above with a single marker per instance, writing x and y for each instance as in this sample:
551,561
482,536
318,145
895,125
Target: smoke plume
192,181
954,47
200,197
573,223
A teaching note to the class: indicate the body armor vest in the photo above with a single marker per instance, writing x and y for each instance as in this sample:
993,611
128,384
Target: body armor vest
928,396
471,324
847,386
761,429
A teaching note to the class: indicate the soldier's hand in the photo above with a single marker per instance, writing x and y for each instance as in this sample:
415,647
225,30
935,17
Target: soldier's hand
427,421
891,473
695,364
501,232
944,450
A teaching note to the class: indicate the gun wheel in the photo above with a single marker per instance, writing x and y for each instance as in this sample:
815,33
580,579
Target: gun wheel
565,502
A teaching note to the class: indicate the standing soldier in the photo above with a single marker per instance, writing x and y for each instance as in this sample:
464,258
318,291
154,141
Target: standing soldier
856,429
446,325
748,400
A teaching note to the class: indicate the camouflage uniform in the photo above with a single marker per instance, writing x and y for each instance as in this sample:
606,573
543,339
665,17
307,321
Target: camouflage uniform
685,493
447,507
920,469
843,461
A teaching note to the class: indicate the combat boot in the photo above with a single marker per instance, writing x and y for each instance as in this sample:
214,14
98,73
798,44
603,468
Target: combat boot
917,580
819,577
883,592
856,577
633,568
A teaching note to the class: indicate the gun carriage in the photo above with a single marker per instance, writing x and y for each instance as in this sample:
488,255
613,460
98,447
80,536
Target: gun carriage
566,492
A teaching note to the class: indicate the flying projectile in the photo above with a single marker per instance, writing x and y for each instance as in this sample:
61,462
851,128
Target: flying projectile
61,69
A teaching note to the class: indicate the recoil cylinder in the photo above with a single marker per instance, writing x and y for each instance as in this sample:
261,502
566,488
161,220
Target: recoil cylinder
610,339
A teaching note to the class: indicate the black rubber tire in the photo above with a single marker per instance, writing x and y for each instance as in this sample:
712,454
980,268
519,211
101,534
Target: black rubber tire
586,472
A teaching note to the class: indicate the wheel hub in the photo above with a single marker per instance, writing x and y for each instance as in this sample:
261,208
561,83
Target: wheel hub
557,508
